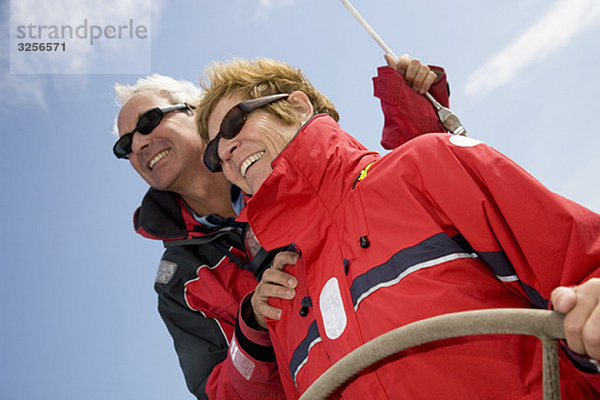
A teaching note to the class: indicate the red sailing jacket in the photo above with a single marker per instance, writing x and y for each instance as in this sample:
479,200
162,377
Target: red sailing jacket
250,355
199,287
441,224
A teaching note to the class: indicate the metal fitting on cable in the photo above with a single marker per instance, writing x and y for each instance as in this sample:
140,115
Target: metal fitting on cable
447,117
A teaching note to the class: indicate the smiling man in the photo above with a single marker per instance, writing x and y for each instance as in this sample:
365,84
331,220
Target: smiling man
167,159
205,270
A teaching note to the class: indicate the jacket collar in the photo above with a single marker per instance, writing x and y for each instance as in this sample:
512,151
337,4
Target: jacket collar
164,215
311,175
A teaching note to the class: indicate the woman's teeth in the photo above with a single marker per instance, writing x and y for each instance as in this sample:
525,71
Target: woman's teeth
249,161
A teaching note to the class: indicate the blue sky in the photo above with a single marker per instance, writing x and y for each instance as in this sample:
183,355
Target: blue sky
78,310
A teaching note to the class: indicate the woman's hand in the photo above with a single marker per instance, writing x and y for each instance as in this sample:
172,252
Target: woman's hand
418,76
274,283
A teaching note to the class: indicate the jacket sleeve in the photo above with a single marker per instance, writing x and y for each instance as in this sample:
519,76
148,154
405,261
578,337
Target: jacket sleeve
407,114
199,341
531,238
250,365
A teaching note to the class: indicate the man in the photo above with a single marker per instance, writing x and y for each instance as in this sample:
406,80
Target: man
439,225
205,270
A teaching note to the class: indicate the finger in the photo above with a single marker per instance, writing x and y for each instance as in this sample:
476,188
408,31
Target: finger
575,321
266,290
591,334
419,82
257,305
270,312
284,258
401,64
277,277
563,299
265,310
429,80
390,60
260,306
412,70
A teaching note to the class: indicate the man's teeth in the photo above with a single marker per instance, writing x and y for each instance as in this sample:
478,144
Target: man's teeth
249,161
158,157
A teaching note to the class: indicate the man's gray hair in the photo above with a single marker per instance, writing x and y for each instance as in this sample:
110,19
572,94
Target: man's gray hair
175,91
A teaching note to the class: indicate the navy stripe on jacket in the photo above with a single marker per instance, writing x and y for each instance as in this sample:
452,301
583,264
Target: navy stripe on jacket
300,355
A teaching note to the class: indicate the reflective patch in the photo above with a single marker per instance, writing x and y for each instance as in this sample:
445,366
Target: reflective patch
464,141
166,270
242,363
332,309
251,242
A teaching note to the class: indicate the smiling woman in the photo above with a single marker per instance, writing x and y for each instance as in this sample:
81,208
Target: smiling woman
252,120
232,124
434,227
247,156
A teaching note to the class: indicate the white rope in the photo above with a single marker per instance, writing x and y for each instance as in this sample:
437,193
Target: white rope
545,325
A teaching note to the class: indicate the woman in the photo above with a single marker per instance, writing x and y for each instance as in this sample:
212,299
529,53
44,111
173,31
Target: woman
441,224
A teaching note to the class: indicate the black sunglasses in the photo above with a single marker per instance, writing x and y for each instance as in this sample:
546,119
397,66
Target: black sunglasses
145,125
232,124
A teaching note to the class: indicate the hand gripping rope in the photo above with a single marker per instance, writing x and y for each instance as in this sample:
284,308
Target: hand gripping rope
447,117
544,324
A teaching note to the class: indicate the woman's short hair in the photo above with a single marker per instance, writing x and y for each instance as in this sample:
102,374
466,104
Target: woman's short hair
252,79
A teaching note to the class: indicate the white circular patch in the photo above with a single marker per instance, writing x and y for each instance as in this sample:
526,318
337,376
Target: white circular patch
464,141
332,309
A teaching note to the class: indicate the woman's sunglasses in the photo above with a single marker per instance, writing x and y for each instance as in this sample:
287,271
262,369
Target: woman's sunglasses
145,125
232,124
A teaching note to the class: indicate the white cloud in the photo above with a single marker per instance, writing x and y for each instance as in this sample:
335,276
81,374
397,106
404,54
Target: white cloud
18,90
270,4
266,6
565,20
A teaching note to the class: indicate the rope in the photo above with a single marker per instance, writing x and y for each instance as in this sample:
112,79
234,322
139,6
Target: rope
545,325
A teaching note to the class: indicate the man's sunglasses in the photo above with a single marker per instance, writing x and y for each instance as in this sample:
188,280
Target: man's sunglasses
232,124
145,125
